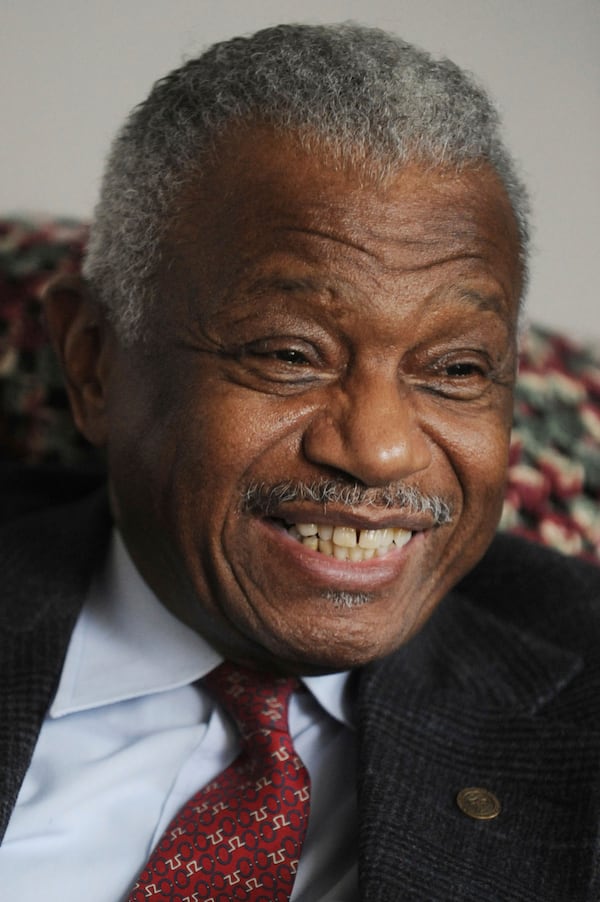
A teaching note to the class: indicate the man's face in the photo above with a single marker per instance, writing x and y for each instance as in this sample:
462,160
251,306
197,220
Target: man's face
318,331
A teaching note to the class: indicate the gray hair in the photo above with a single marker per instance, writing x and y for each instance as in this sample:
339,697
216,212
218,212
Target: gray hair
368,96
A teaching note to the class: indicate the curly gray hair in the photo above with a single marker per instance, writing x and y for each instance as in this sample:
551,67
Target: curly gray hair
368,96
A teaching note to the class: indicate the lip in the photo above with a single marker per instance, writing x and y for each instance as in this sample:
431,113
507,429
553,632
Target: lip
370,519
323,572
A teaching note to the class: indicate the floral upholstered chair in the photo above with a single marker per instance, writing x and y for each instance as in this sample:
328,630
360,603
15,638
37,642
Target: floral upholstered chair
553,491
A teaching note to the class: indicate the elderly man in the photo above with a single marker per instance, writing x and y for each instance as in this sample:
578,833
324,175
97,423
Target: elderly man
296,339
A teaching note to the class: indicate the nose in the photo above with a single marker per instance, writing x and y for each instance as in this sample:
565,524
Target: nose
369,430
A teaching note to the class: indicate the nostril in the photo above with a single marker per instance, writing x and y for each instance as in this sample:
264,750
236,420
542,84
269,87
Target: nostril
371,446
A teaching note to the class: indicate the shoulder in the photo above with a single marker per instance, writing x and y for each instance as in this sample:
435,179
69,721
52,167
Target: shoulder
519,629
53,530
26,489
536,588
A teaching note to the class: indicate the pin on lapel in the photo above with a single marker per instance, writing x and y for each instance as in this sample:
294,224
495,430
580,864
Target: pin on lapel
479,803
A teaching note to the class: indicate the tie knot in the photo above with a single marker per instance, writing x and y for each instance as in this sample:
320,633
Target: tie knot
255,700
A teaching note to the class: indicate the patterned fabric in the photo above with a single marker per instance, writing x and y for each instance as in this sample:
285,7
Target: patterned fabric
241,836
553,493
35,423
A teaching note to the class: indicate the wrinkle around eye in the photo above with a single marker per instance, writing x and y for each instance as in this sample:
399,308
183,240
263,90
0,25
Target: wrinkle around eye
262,365
478,385
272,369
463,377
267,372
198,344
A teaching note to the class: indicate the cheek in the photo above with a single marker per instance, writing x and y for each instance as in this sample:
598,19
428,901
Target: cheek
478,453
219,444
473,445
235,431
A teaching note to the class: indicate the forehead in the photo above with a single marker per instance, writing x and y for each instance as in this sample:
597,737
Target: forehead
268,203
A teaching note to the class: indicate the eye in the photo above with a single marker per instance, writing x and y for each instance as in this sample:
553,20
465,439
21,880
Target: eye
463,375
288,363
286,355
280,356
464,370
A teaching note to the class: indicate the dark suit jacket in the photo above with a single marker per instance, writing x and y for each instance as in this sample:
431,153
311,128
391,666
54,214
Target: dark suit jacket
501,690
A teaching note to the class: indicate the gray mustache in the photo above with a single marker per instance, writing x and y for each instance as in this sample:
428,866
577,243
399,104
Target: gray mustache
264,500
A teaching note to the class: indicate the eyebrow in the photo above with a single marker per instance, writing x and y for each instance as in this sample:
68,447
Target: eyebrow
492,302
264,284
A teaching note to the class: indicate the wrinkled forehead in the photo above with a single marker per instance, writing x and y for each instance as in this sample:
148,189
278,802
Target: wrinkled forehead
267,191
251,159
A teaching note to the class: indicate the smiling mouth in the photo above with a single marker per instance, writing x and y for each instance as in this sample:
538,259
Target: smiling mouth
346,543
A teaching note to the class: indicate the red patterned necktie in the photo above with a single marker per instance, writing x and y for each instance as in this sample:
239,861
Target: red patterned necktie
240,837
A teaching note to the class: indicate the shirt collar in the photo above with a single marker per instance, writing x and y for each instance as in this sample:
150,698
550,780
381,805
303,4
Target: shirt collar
126,644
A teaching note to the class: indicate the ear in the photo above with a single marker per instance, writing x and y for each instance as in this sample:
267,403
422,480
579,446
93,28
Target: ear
85,344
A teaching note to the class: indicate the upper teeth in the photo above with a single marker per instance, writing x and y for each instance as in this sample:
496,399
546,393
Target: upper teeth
346,543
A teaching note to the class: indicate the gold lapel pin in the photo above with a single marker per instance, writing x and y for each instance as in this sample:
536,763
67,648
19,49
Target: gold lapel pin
479,803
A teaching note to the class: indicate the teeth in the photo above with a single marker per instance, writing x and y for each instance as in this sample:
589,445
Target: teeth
347,544
369,538
344,536
401,537
311,542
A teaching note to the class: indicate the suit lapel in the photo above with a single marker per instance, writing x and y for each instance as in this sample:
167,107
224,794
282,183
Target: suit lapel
475,701
46,563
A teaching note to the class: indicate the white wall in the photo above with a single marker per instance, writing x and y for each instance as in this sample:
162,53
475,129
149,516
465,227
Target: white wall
71,69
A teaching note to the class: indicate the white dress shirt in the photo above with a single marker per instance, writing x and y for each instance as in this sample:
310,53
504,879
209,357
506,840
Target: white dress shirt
129,738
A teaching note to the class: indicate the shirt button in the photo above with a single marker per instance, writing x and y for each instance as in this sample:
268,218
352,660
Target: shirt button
478,803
